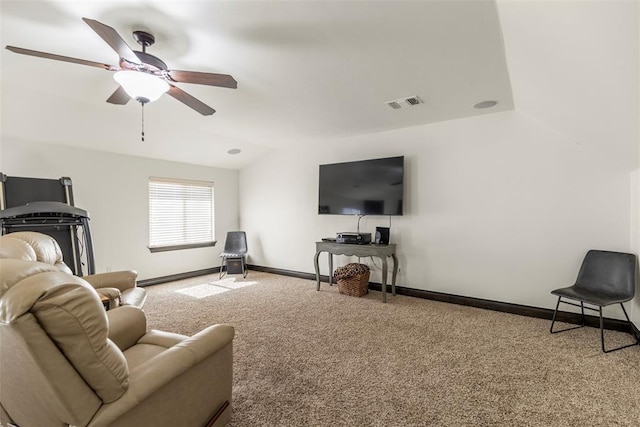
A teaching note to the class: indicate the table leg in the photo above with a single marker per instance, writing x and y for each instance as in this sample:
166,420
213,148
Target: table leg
330,268
317,267
384,278
394,274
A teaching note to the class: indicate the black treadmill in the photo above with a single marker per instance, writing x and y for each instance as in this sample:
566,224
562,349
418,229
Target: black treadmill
46,206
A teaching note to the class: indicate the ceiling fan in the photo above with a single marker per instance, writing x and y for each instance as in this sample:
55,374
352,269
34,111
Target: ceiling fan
141,75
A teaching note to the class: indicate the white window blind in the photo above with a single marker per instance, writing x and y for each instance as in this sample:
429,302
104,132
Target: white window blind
180,214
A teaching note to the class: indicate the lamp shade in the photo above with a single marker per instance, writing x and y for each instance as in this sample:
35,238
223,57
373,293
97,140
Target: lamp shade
141,86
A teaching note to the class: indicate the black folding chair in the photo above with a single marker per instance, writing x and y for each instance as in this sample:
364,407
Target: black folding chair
235,250
605,278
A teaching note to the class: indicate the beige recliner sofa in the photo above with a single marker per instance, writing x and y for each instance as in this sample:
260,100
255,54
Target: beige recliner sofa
66,361
119,287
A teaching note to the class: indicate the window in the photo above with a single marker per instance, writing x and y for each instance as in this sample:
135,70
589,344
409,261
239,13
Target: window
180,214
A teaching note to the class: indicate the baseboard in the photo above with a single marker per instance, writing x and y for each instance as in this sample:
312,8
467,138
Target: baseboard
289,273
522,310
179,276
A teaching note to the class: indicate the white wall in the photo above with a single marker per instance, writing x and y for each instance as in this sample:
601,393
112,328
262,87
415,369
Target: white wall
113,188
635,182
497,207
635,239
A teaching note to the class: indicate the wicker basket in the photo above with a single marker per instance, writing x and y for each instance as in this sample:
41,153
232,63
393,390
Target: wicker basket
355,285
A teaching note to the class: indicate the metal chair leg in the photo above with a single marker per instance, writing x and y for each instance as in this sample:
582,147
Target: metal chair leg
556,312
599,310
633,332
222,272
244,268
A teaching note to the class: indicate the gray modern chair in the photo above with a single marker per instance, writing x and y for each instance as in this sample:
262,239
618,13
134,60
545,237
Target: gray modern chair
605,278
235,251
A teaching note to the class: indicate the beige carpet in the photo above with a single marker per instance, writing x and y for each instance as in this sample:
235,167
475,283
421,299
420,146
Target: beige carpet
307,358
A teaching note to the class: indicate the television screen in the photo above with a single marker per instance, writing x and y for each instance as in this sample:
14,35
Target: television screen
365,187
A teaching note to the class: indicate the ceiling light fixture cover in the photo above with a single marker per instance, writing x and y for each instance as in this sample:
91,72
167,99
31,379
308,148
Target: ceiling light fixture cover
141,86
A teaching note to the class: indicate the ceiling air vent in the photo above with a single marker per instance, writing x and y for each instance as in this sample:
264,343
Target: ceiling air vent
414,100
408,102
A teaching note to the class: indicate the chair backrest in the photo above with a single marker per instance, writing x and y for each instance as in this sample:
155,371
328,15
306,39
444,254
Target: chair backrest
612,273
33,246
236,242
55,347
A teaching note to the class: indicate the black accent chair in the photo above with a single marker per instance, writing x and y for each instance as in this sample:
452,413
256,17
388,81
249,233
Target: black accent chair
235,249
605,278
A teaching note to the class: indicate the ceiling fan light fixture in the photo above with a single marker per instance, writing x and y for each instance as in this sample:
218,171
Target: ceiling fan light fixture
141,86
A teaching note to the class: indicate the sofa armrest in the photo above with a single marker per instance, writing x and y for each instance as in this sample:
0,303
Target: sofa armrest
134,296
161,338
127,324
122,280
184,385
183,355
113,294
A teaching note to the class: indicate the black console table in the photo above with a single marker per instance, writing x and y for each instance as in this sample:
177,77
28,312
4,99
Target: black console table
380,251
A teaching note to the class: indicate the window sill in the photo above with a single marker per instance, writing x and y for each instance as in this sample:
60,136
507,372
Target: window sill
153,249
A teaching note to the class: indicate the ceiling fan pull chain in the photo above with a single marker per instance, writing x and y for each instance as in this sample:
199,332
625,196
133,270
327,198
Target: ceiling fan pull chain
142,103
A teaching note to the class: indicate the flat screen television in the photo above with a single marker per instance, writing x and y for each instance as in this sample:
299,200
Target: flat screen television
365,187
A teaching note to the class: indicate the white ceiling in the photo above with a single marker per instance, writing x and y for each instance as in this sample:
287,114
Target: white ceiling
307,71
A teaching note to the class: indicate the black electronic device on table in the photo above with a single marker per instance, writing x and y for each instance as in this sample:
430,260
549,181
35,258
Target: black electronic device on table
353,238
382,235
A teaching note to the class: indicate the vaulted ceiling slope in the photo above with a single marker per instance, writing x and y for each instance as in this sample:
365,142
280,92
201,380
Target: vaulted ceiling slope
314,71
575,68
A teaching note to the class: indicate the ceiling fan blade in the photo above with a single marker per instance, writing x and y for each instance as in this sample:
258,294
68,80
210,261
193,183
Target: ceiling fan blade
60,57
119,97
211,79
114,40
190,101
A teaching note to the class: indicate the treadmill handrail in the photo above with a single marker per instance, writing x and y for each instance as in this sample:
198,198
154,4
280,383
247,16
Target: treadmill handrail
43,207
